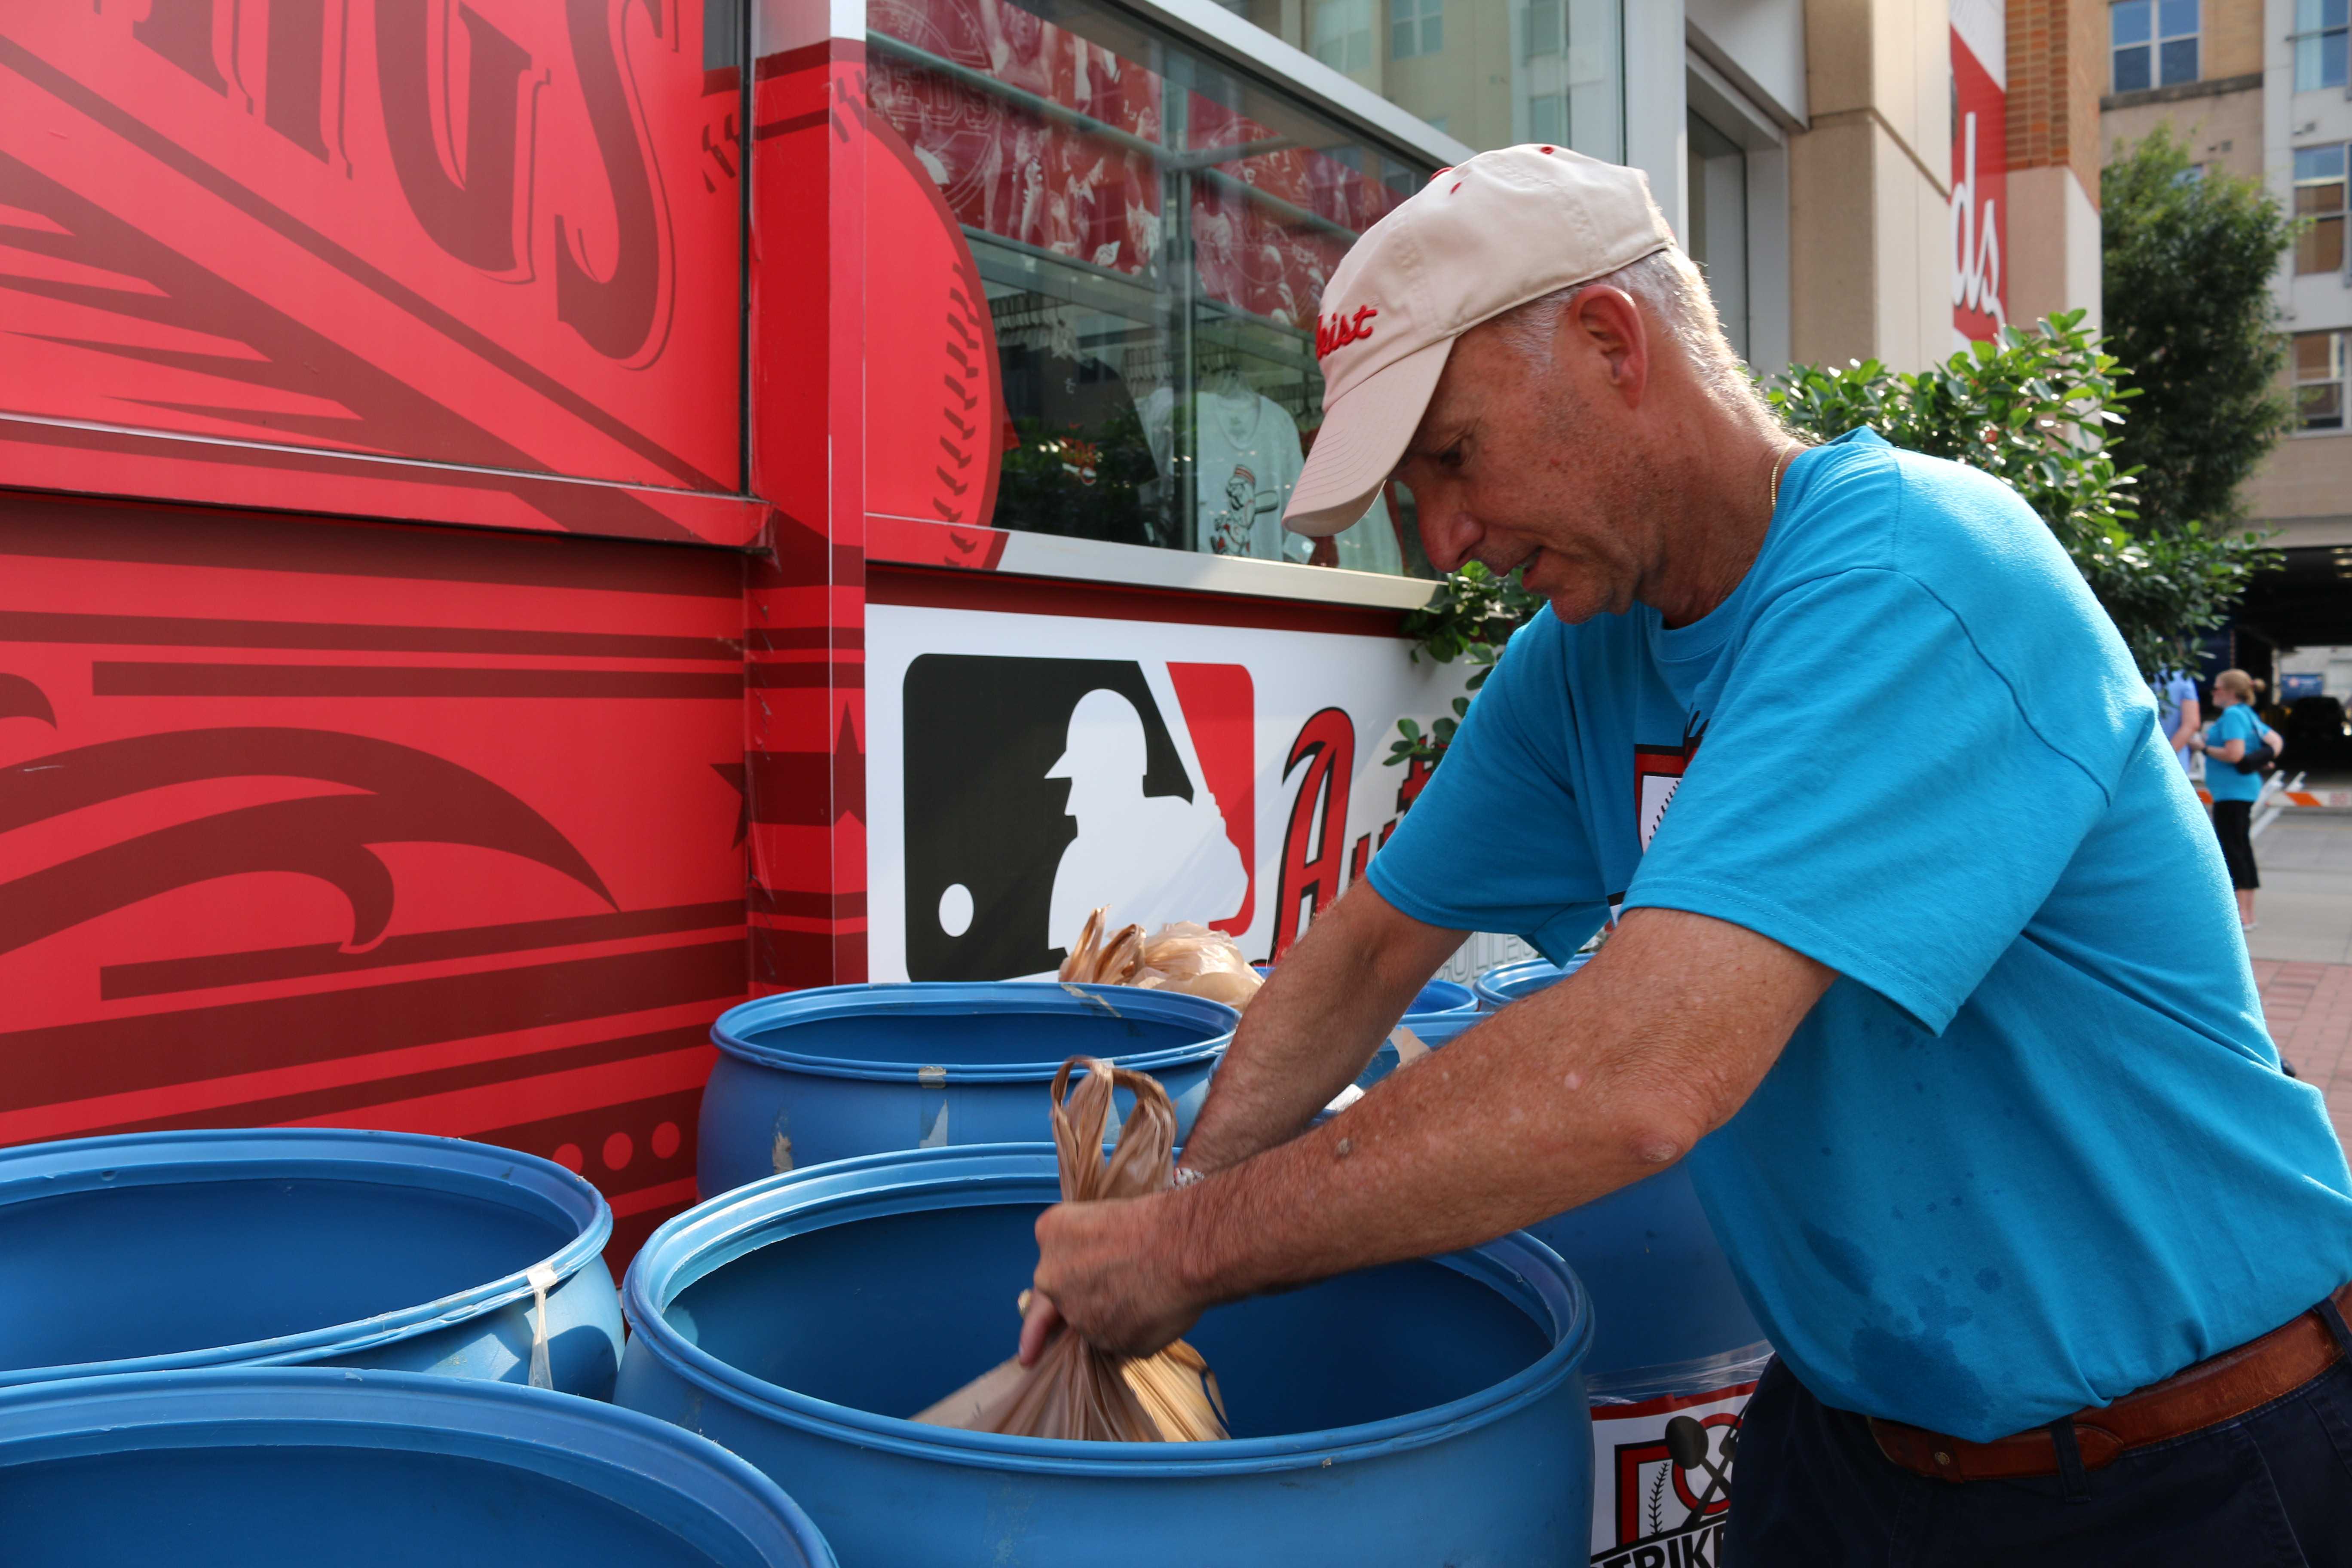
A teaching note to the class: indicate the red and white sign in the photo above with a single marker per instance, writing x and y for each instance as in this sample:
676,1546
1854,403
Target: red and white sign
1980,169
1022,768
1662,1479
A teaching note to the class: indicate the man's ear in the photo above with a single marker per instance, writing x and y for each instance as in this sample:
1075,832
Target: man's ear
1610,323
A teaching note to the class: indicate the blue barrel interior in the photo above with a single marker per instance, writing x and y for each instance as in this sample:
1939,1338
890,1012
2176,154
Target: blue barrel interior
888,1314
906,1038
214,1469
81,1275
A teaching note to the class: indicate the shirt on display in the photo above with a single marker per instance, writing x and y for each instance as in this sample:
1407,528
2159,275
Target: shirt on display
1247,457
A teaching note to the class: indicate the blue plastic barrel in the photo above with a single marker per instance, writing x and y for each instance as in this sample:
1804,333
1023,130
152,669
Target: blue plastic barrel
1662,1289
1507,983
1437,996
842,1070
1424,1413
1673,1339
239,1467
156,1251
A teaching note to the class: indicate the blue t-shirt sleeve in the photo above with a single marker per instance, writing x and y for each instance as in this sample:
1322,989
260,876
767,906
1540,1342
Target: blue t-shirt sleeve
1869,793
1495,842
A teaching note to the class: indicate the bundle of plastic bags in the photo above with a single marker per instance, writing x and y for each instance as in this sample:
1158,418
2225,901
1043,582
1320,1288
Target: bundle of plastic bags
1076,1391
1181,957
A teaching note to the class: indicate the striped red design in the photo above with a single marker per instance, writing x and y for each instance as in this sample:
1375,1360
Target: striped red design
303,823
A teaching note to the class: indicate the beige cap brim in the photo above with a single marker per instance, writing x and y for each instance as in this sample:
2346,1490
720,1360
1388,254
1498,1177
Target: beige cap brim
1364,437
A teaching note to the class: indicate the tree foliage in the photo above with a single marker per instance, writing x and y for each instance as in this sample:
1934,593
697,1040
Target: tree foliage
2189,255
2040,411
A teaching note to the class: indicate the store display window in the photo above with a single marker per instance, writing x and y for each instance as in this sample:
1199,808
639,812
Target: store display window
1153,231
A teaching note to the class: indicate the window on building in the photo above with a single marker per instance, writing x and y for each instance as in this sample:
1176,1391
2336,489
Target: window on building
1416,28
2154,42
2319,379
1154,239
2319,200
1342,34
1716,236
2319,44
1566,75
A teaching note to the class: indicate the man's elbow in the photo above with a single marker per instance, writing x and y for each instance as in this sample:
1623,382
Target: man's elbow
1657,1133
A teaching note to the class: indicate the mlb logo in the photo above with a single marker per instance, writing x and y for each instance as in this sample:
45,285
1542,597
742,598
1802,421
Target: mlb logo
1038,789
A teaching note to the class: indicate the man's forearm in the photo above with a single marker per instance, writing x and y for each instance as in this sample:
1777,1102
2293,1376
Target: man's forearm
1552,1103
1316,1023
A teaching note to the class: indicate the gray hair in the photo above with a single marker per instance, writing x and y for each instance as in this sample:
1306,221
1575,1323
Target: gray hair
1672,288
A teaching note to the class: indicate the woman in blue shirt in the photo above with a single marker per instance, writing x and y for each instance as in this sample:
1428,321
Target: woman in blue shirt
2227,739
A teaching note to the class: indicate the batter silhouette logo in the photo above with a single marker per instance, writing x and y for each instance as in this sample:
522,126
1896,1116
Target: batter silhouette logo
1038,789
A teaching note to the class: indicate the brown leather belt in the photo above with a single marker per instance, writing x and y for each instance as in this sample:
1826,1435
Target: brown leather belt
2219,1389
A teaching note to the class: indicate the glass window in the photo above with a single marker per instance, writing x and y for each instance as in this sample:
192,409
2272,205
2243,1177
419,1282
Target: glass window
2319,200
2319,379
1153,232
1415,28
1718,237
2154,43
2320,40
1343,36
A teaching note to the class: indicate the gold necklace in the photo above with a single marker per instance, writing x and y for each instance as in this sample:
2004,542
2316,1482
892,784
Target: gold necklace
1772,492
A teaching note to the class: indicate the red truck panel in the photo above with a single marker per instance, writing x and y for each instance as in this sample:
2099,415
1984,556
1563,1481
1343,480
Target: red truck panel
249,250
435,830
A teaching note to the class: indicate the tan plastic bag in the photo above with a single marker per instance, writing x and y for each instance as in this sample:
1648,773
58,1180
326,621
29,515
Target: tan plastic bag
1076,1391
1180,957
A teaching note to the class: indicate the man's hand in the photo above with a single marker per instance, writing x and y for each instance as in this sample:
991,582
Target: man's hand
1103,1268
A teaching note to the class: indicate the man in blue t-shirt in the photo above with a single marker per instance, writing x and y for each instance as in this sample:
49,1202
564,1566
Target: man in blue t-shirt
1925,959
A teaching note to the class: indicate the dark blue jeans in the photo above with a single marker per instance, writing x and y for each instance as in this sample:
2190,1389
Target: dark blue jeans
2274,1487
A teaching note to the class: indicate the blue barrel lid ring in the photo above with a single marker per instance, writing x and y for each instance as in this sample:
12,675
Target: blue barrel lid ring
1435,999
32,1174
716,1508
1507,983
707,1238
762,1031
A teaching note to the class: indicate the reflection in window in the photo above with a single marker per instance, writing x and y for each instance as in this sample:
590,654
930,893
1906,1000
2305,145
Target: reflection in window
1154,243
2319,39
2155,43
2319,379
2319,193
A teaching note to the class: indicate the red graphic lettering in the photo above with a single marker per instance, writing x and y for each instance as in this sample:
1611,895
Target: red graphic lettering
1315,845
1337,332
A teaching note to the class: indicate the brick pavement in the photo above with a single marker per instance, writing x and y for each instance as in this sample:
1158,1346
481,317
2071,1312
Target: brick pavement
2309,1008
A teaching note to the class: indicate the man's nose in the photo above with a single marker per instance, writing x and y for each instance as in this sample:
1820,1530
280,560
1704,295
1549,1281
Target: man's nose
1448,532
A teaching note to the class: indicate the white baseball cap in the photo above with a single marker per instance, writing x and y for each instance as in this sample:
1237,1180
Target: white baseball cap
1479,239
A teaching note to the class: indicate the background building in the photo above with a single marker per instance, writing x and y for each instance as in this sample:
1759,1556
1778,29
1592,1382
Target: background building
2259,88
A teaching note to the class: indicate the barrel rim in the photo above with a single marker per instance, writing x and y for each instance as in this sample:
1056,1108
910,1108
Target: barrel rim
930,997
1522,1269
35,1171
535,1429
1488,985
